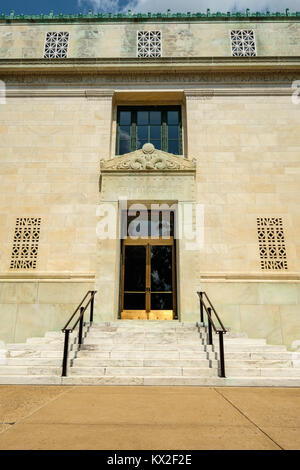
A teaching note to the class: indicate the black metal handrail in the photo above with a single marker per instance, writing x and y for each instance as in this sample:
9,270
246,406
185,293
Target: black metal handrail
219,330
67,329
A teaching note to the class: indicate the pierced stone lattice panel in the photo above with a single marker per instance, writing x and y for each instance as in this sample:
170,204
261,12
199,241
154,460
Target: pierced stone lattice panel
149,44
56,45
26,242
243,43
271,243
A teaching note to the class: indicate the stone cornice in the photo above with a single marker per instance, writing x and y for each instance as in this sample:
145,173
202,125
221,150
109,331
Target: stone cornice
206,93
161,64
108,94
46,93
144,17
148,160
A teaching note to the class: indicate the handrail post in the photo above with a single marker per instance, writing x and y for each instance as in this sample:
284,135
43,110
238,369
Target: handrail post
66,351
222,358
201,308
92,308
80,327
210,341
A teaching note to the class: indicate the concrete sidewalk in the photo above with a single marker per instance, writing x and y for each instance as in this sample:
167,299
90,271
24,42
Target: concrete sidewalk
56,417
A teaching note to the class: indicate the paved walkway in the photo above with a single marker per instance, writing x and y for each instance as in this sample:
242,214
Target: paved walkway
56,417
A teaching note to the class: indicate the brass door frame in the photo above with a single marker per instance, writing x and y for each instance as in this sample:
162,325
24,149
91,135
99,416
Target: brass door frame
148,314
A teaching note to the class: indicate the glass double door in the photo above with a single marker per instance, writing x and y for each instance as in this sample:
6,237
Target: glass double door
148,280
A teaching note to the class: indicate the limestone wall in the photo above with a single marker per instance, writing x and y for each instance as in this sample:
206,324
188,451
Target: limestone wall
247,152
49,165
269,310
31,308
203,39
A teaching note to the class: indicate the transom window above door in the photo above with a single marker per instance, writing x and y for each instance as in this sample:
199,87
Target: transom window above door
156,124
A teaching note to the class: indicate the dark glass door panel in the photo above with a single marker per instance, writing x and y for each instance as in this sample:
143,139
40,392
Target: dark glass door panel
135,269
134,301
161,268
148,282
161,301
161,277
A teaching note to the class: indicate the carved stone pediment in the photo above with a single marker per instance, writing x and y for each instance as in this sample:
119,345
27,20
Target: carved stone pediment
148,159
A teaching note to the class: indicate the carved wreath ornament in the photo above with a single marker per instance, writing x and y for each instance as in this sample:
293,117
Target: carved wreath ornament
148,159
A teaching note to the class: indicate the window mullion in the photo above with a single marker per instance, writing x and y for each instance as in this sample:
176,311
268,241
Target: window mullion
180,151
164,132
133,131
118,138
149,127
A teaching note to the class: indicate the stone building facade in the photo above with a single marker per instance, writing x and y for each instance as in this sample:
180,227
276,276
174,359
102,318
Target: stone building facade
232,150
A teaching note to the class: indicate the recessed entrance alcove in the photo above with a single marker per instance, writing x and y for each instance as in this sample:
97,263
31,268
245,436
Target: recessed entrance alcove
162,285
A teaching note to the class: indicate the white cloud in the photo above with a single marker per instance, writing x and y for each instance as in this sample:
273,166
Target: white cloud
105,6
154,6
143,6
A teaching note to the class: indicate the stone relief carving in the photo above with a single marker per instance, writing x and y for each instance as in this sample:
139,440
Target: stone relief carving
148,159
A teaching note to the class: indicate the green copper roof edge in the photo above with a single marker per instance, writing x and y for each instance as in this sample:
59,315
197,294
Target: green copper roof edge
150,16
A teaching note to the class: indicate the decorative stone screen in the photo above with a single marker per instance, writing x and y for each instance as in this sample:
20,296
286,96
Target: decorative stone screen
271,243
56,45
149,44
243,43
26,242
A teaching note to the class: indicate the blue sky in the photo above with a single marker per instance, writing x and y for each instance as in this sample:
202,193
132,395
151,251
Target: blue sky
77,6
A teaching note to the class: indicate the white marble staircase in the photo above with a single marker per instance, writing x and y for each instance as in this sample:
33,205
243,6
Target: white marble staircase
149,353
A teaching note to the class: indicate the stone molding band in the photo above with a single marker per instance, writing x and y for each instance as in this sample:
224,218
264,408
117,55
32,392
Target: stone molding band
44,276
109,94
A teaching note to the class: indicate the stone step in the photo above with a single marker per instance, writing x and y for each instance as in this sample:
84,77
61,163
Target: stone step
274,356
192,346
32,361
142,344
60,334
152,381
36,353
243,341
142,338
142,371
142,347
150,331
288,372
29,370
30,380
149,353
162,355
142,363
263,372
41,346
229,340
260,364
249,348
183,381
37,341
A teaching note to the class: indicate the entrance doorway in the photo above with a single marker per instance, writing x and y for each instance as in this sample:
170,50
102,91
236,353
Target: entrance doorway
148,276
